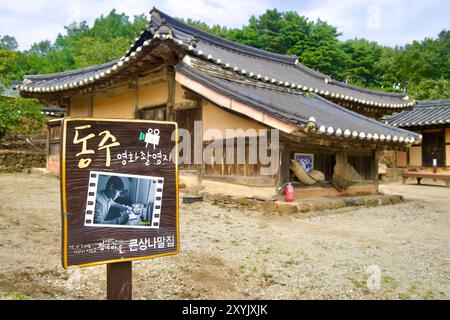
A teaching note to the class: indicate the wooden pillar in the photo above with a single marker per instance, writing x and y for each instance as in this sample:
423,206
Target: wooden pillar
202,165
376,156
119,281
48,140
285,164
199,117
68,108
279,178
170,108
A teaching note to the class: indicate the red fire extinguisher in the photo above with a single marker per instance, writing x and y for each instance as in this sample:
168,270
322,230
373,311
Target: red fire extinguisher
289,192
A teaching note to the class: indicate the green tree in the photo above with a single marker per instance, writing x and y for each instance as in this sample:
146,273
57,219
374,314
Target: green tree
315,43
108,39
18,115
362,65
6,58
279,32
41,48
431,89
427,59
215,29
8,42
322,51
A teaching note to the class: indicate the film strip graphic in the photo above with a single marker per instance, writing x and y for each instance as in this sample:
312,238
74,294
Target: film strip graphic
90,202
156,185
156,215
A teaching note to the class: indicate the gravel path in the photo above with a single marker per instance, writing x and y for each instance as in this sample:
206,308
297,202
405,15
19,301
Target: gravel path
228,252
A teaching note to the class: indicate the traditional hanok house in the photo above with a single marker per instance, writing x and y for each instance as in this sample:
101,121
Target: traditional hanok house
431,119
175,72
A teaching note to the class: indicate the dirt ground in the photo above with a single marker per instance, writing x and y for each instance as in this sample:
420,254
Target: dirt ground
388,252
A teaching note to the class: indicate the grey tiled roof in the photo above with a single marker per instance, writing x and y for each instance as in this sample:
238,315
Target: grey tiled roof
297,107
64,80
280,69
426,113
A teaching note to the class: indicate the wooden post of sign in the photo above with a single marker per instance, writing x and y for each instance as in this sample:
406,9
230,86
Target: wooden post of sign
119,281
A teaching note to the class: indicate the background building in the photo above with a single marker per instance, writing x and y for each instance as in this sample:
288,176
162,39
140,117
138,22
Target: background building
431,119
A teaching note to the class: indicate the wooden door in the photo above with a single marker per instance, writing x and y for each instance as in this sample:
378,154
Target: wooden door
185,120
433,147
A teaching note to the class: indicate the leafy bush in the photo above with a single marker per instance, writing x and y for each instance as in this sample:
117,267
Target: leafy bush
18,115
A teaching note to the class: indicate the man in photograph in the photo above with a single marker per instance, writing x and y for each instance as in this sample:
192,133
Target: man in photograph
105,201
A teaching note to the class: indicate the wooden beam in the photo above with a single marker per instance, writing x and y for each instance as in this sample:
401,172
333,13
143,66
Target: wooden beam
186,105
191,95
170,108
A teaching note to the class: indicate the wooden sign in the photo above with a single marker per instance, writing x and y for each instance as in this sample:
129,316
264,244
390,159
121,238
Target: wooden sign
119,190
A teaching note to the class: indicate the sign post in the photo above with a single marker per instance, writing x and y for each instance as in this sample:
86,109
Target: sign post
119,195
119,281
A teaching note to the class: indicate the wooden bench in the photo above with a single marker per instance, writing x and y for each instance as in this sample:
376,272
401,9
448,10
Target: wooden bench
419,175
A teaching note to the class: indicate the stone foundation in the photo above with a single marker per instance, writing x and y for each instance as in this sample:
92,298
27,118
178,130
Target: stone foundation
20,153
306,207
21,160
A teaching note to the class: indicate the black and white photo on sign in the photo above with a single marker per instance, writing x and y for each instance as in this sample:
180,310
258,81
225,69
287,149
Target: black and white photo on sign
123,200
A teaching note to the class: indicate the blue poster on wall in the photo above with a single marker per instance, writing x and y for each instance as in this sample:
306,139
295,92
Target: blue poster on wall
306,160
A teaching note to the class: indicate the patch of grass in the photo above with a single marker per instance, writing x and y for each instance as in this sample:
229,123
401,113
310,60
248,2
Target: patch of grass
301,292
290,262
10,294
359,284
429,294
409,293
267,250
268,278
18,296
184,269
390,281
404,296
303,255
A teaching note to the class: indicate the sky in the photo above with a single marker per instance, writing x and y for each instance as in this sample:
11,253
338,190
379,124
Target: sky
388,22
